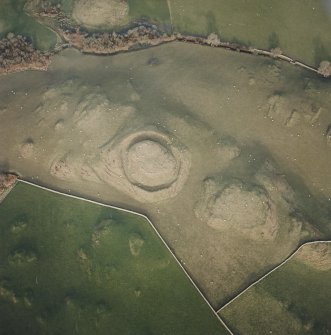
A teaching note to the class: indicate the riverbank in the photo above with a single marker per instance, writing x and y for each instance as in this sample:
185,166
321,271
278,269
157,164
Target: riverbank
22,56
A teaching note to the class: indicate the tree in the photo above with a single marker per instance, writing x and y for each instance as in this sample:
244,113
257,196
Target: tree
325,69
276,52
213,40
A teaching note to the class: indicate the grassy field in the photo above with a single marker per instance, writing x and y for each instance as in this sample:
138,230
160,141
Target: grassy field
70,267
14,19
295,299
261,24
299,28
154,10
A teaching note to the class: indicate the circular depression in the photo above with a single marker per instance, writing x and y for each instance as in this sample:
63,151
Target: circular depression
150,163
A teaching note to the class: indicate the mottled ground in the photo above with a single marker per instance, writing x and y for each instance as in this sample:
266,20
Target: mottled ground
294,299
251,128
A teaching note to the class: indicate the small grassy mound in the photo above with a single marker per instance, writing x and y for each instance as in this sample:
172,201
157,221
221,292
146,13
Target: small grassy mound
82,268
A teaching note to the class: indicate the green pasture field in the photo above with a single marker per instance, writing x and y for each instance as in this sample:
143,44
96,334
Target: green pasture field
72,267
295,299
300,28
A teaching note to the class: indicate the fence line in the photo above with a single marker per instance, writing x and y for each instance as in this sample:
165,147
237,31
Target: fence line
270,272
215,312
151,224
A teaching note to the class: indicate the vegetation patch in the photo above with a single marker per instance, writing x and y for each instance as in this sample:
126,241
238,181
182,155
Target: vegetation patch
14,19
81,268
261,24
294,299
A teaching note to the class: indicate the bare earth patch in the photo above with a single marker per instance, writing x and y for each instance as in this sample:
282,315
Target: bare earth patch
146,164
262,210
317,255
238,207
101,12
27,149
150,165
61,168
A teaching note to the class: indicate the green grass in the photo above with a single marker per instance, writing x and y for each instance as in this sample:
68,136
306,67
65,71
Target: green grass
14,19
154,10
66,268
295,299
300,28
